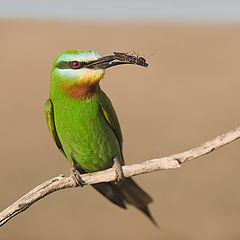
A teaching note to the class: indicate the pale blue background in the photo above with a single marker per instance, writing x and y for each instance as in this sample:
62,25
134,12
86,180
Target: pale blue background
125,10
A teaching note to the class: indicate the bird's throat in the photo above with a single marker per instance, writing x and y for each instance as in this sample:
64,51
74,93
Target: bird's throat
81,91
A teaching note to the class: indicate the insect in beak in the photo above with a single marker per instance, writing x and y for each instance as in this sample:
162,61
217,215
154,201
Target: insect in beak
116,59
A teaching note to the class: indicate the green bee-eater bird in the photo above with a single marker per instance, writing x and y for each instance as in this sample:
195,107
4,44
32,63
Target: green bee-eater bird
84,125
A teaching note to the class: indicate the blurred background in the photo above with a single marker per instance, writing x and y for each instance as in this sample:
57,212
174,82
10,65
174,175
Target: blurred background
188,95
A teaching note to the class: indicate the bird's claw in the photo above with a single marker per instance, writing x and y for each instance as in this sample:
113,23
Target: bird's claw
118,170
77,177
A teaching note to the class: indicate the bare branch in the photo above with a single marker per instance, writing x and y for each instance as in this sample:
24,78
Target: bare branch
61,182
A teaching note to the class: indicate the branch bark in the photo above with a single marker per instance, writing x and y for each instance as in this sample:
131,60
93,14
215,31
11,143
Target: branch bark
61,182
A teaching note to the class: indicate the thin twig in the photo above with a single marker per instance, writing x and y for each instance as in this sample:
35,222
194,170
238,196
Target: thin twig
61,182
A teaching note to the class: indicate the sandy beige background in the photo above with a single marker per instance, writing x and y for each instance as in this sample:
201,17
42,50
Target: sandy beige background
189,94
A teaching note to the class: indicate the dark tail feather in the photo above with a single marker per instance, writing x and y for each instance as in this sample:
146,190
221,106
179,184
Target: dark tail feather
127,191
106,189
111,193
146,211
134,195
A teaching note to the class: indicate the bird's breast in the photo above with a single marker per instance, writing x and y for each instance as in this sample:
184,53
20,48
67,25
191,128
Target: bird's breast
86,135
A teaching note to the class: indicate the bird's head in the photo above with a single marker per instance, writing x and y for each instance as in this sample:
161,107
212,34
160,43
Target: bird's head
70,67
78,72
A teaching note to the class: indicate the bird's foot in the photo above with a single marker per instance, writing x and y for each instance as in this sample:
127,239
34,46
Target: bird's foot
118,170
77,176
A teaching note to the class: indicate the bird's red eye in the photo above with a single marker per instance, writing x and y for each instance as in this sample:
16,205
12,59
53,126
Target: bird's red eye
75,64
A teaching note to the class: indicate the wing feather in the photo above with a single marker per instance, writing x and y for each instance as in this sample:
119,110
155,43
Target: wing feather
49,114
111,117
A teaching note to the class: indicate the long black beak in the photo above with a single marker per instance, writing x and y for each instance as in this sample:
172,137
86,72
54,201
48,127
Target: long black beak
116,59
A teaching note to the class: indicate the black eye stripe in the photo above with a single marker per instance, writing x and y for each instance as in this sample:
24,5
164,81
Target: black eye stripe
68,65
62,65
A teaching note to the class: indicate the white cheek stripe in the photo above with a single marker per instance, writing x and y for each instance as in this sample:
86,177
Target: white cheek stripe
69,72
75,73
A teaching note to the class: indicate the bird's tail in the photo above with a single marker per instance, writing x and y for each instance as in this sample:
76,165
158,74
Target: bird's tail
126,192
136,196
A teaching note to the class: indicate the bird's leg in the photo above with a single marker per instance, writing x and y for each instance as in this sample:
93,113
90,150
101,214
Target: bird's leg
118,170
76,175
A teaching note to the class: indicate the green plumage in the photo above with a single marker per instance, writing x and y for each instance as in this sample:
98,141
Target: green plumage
85,133
85,126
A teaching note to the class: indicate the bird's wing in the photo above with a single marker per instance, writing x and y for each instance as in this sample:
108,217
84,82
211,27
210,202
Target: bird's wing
111,117
49,114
